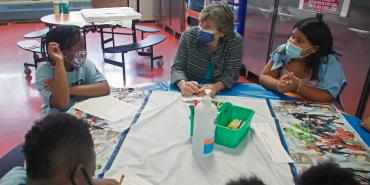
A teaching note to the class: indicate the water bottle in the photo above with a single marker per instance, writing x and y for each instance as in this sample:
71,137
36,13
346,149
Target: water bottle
56,8
65,7
203,139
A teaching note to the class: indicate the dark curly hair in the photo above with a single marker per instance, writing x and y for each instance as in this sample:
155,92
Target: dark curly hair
54,142
253,180
327,173
66,36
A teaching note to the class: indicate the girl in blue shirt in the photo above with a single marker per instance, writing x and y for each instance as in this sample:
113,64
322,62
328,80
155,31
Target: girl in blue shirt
307,64
68,76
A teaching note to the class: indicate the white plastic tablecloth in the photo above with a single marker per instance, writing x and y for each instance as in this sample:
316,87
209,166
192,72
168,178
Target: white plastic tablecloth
158,147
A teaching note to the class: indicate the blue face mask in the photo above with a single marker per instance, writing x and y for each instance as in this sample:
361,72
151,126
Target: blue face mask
293,51
206,36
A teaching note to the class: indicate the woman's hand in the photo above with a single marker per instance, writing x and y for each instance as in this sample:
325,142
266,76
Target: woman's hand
215,88
212,87
55,53
189,88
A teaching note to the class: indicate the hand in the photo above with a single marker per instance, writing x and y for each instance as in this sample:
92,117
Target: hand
55,53
284,86
295,80
212,87
189,88
104,182
288,83
286,77
49,85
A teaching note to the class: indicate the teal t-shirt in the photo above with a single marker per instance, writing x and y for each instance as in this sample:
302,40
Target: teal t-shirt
16,176
209,75
86,74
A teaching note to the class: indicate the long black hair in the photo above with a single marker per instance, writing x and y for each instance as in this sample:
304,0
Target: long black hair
66,36
319,34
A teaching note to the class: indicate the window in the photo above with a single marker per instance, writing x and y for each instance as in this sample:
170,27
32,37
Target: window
34,9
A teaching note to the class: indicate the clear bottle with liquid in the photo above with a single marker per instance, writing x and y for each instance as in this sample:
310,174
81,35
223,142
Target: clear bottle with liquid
65,6
56,8
203,138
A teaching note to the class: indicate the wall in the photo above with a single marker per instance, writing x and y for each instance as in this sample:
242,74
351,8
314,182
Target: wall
148,8
108,3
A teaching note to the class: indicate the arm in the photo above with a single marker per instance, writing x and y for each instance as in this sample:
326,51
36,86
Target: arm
95,82
290,83
60,93
269,79
309,92
96,85
91,90
314,94
219,86
178,69
215,87
234,60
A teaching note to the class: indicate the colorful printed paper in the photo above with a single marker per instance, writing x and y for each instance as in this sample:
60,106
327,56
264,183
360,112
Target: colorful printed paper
317,132
104,133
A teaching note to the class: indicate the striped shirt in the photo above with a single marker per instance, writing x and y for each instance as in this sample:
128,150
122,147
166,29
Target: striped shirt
193,59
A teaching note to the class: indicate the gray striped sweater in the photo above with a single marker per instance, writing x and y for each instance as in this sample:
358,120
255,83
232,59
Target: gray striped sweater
192,59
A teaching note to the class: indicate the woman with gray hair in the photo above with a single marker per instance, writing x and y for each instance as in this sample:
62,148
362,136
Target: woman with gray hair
209,55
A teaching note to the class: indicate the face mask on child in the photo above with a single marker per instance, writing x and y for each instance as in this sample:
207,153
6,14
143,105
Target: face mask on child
206,36
294,51
78,59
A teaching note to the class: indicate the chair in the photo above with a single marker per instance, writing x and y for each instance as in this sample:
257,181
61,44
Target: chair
34,47
149,41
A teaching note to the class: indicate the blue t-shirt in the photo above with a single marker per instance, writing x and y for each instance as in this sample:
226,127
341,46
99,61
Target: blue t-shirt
331,76
86,74
16,176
